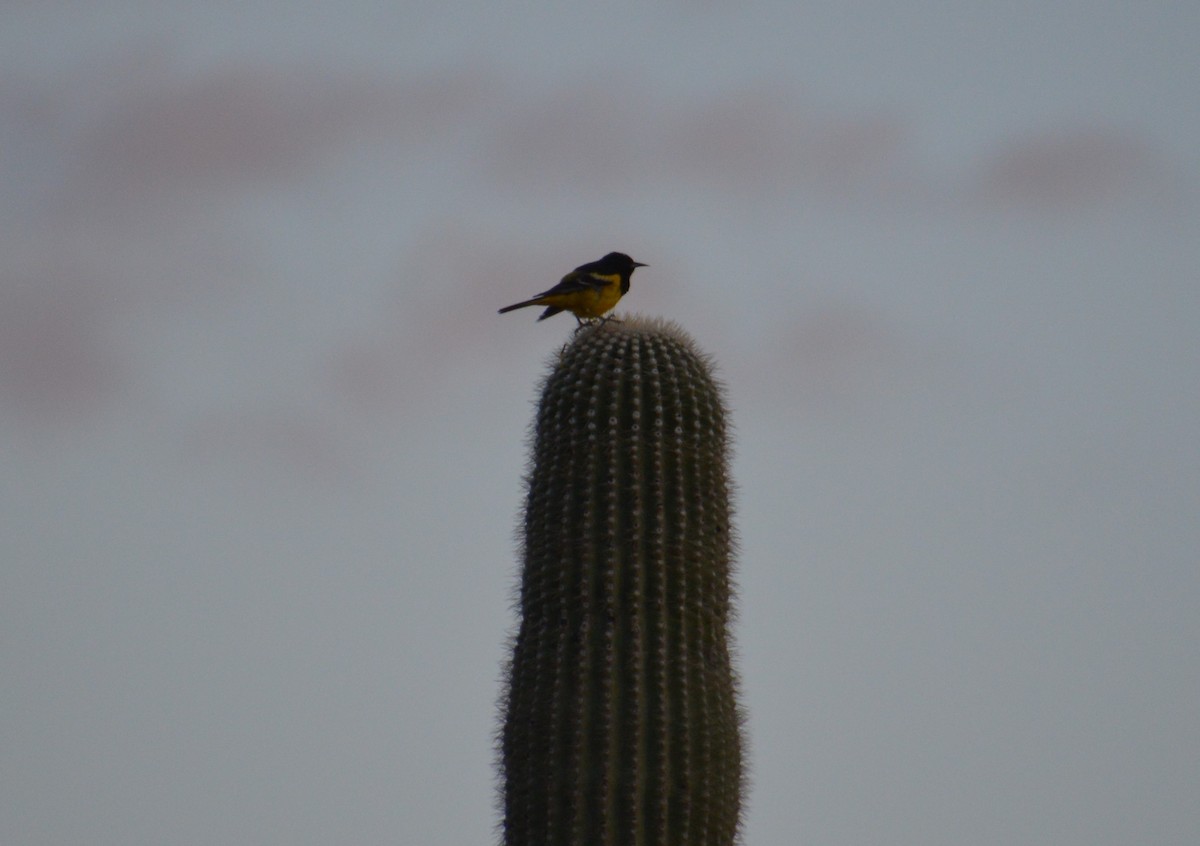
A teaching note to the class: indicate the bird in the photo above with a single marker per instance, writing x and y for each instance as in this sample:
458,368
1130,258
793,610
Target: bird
588,291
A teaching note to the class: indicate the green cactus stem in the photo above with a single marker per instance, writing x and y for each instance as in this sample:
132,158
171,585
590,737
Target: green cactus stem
621,721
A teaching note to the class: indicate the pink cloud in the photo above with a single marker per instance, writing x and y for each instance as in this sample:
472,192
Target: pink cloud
585,134
263,122
101,223
836,352
422,332
56,365
765,142
1065,168
768,142
750,137
756,141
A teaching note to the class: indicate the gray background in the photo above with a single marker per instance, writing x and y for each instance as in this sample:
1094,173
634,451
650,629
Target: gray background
263,432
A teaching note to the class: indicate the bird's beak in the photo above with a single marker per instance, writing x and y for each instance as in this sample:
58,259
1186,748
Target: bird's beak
639,264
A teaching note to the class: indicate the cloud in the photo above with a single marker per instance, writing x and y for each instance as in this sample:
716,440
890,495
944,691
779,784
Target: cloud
1065,168
438,315
759,141
121,136
56,362
765,139
121,189
765,143
261,122
835,354
590,134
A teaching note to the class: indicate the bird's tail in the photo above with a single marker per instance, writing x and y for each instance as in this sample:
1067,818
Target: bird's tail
516,306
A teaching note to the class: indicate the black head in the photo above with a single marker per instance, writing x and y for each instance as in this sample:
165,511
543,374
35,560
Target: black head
620,262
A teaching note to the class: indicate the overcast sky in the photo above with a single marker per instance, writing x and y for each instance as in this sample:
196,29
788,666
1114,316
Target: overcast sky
263,433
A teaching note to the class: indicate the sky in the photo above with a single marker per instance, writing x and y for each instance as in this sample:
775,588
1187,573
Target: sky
264,435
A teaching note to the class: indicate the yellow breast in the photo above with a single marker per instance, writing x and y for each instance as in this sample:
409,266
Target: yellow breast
591,302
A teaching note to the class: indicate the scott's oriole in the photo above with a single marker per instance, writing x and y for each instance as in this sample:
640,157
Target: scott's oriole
587,291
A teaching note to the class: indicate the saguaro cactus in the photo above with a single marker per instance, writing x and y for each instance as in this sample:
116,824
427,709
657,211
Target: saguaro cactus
621,723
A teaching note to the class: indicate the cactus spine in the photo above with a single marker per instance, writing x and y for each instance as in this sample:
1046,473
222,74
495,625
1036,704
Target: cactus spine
621,722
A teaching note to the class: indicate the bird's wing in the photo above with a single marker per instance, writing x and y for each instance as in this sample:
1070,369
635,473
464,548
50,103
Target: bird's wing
576,281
